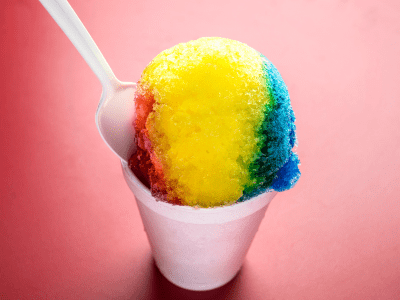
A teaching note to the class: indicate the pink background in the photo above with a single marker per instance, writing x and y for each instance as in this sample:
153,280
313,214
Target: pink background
69,225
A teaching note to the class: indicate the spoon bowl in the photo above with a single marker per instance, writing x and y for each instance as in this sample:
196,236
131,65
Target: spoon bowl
114,119
116,110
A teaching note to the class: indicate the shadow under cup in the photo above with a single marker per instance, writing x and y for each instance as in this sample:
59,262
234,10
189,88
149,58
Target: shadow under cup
198,248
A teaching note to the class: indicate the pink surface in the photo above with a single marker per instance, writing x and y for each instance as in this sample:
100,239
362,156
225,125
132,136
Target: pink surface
69,226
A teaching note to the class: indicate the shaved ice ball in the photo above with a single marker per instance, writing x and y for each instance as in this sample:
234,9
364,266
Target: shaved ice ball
214,125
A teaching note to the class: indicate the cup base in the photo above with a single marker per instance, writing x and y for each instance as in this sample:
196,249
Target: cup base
195,286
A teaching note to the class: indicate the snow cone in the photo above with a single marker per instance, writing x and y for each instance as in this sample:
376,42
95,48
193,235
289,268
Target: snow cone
215,133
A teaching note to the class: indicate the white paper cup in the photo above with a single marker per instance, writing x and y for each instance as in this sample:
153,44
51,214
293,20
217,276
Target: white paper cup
198,249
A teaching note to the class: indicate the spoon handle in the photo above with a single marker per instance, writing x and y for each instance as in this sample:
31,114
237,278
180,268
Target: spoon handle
72,26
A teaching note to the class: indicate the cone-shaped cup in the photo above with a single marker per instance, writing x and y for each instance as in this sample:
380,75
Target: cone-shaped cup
198,248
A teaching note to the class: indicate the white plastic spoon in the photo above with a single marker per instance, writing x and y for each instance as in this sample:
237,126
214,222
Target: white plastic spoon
116,108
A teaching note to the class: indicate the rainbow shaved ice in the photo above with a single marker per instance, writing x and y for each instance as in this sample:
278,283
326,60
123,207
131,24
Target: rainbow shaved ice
214,125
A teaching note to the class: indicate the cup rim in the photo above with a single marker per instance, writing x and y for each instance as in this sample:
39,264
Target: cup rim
190,214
